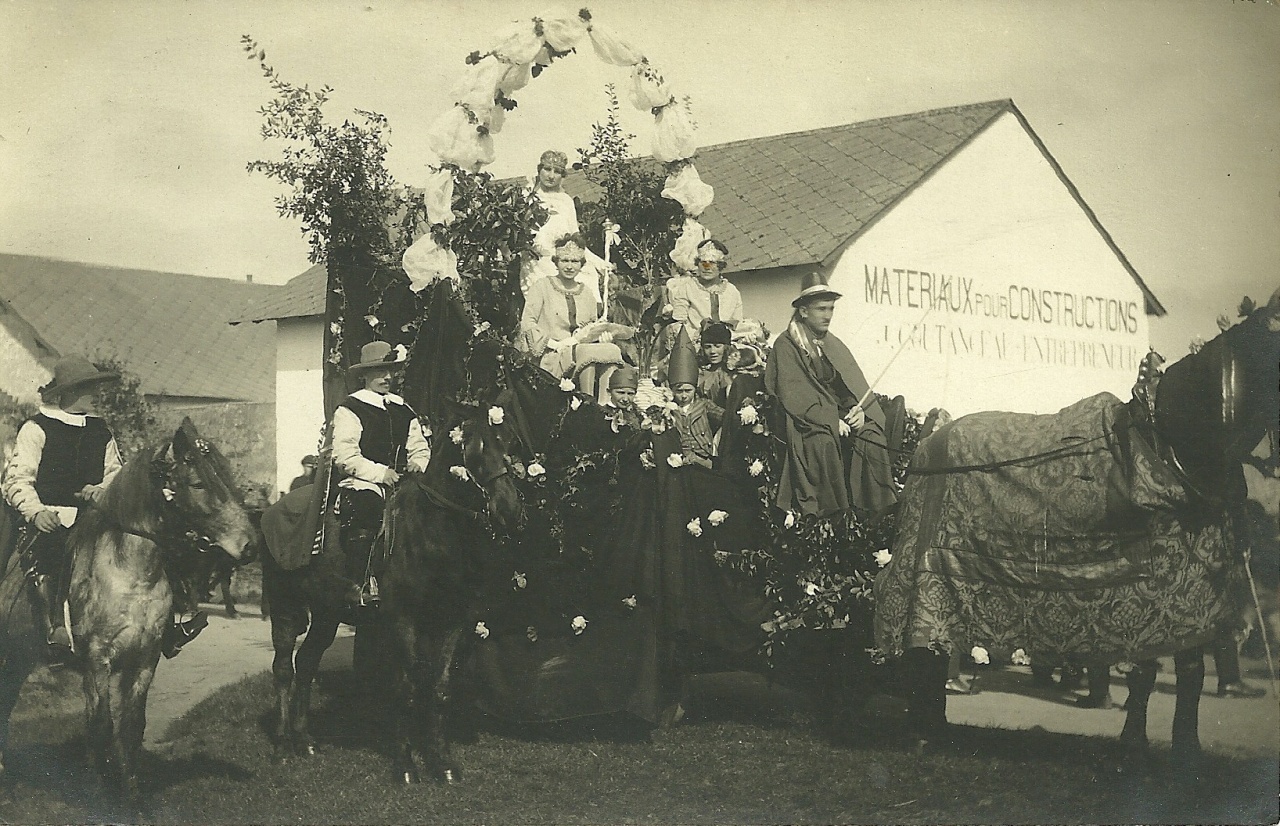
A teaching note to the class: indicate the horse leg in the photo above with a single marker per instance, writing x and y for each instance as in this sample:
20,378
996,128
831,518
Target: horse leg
134,685
285,629
927,675
97,697
13,674
227,600
324,627
437,753
407,691
1189,668
1141,680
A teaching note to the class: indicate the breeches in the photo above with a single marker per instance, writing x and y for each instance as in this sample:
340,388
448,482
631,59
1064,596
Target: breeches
360,517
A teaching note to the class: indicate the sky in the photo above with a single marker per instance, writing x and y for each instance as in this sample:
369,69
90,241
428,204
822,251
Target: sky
126,127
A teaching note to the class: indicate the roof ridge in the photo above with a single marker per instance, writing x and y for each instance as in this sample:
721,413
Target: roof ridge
122,268
1003,102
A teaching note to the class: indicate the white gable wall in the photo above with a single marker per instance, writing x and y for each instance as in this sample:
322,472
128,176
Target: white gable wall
997,288
299,394
22,374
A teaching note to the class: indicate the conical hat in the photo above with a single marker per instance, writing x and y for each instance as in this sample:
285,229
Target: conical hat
683,365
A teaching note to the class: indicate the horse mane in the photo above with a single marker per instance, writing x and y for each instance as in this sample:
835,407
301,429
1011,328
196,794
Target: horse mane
131,500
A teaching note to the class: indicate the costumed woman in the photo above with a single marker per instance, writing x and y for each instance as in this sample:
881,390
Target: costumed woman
562,220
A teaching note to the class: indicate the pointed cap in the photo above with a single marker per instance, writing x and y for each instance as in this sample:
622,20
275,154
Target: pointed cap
683,365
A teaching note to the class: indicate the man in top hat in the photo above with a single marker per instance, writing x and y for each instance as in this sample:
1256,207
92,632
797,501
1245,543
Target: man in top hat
714,377
836,455
63,459
376,438
696,418
705,296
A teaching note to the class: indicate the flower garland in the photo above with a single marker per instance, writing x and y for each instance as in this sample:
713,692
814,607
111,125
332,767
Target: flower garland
462,137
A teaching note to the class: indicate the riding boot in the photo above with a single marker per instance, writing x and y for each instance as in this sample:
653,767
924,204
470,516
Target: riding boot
179,634
358,545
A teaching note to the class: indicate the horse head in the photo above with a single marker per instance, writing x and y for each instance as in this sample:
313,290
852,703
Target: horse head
485,456
198,484
1214,406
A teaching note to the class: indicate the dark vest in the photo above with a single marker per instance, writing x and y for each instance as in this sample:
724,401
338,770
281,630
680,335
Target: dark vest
72,458
383,432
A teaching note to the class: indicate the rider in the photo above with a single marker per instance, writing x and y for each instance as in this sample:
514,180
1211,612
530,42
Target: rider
376,438
63,460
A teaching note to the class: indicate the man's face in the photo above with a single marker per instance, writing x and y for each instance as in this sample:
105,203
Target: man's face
713,353
682,393
622,396
816,315
378,379
569,260
81,402
550,177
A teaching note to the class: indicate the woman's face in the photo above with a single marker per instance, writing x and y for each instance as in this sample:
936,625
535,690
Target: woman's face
550,177
713,353
569,260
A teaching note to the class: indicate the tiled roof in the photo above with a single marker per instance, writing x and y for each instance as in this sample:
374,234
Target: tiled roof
798,198
169,329
302,295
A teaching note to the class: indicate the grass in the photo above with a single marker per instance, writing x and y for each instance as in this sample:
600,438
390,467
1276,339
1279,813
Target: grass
747,753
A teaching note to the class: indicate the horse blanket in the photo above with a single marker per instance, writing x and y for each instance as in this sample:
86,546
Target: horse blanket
1061,533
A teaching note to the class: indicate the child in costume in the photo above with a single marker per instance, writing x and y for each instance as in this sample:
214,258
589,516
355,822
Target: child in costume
714,377
696,418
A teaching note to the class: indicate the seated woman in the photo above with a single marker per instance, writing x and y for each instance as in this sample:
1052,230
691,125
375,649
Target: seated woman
562,220
556,311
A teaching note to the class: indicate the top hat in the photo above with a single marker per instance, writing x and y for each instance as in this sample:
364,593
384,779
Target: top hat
682,368
378,354
625,376
75,372
813,287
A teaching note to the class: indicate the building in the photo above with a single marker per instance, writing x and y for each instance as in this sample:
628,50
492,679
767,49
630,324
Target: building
168,329
974,275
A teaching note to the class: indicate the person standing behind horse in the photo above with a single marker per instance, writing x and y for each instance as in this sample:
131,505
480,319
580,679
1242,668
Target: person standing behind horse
836,456
376,438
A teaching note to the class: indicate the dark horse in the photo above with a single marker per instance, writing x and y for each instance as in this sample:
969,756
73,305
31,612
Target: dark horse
157,516
441,526
314,597
1113,539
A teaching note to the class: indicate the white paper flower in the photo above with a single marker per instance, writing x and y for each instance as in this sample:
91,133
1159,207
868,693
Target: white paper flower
612,49
757,428
630,601
531,633
335,327
717,517
721,556
461,472
426,262
694,527
372,320
575,403
455,435
810,588
748,415
516,42
496,415
563,33
1019,657
648,89
567,385
579,624
646,459
438,194
882,557
536,469
675,459
482,631
674,135
689,190
756,467
790,521
980,656
519,579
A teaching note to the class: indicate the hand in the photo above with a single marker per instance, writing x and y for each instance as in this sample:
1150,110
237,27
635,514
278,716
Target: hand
857,418
845,430
606,337
91,493
390,477
47,521
558,344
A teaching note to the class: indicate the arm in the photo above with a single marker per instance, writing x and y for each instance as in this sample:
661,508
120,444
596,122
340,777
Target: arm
110,467
679,299
417,446
20,476
346,449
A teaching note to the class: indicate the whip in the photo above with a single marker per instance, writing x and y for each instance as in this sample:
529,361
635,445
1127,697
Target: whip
871,387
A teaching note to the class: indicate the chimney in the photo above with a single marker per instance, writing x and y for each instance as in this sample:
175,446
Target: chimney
249,278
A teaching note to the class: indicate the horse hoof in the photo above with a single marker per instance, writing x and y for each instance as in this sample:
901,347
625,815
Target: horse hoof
306,749
409,777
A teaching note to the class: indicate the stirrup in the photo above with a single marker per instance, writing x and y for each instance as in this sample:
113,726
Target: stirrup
179,634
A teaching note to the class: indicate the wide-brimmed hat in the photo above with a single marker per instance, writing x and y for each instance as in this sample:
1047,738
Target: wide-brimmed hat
73,373
813,287
378,354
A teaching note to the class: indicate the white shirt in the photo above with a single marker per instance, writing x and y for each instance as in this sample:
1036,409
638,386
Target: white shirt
20,476
366,474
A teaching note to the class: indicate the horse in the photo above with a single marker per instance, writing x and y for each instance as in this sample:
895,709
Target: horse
163,512
315,597
1106,531
438,543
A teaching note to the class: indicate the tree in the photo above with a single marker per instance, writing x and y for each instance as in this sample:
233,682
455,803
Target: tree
125,408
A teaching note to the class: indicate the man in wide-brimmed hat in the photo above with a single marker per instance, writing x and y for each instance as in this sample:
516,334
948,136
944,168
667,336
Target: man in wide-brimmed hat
836,455
376,438
63,459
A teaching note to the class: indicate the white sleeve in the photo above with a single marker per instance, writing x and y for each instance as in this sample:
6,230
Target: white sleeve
111,462
346,448
20,476
419,449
